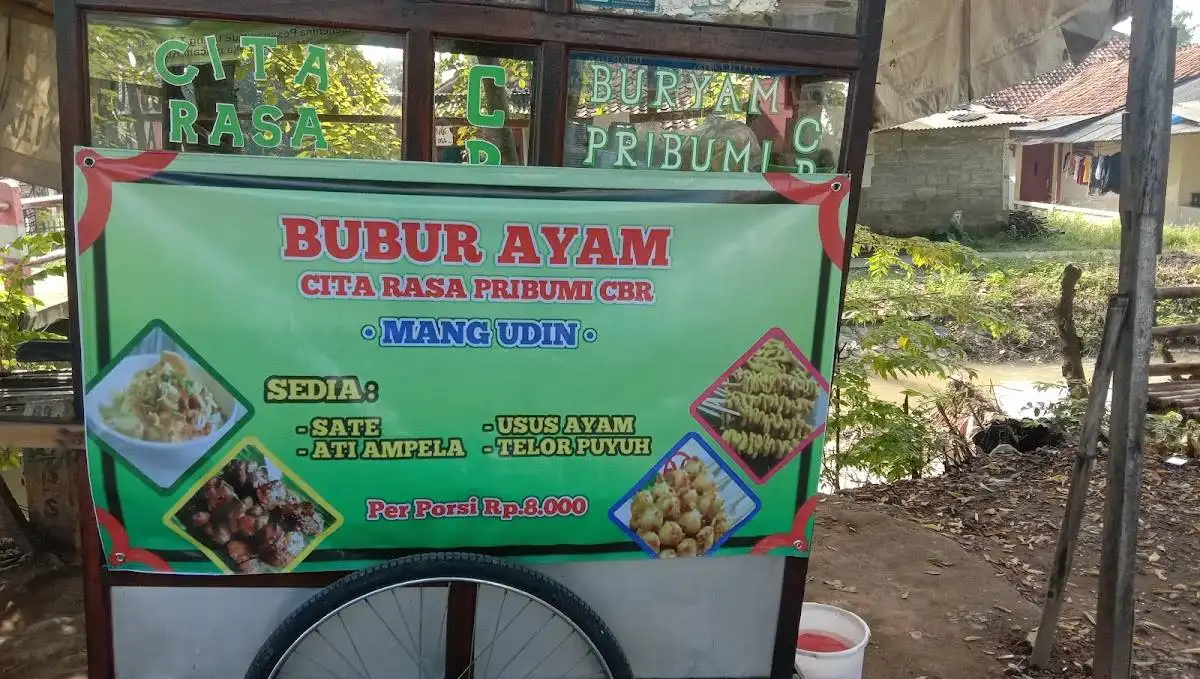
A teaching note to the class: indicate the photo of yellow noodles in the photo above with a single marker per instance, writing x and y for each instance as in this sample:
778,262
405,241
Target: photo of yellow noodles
764,409
166,403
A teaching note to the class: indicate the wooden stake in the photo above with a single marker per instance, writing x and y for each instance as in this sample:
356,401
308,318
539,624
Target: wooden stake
1064,553
1068,336
1144,149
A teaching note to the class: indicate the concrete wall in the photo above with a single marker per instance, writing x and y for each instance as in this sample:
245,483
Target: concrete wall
1185,152
918,180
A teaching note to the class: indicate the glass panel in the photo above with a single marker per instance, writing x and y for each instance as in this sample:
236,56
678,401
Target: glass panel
686,115
501,127
510,3
347,102
825,16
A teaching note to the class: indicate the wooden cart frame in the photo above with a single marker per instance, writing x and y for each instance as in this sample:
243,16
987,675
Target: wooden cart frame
554,30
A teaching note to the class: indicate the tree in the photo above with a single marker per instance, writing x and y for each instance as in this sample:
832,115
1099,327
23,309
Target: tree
897,315
356,87
127,92
1185,28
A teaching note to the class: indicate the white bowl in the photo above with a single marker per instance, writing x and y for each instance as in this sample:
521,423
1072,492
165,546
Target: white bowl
161,462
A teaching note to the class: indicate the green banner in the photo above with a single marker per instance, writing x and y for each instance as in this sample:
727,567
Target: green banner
306,365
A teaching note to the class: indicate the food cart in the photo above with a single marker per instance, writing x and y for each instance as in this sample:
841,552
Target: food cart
450,339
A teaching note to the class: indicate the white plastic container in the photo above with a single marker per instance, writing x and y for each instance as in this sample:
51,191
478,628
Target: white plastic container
846,664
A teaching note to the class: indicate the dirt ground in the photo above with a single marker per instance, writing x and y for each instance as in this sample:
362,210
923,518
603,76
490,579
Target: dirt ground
41,625
935,610
1006,509
946,571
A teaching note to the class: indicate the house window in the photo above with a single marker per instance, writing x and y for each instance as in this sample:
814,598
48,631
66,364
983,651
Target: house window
227,87
664,114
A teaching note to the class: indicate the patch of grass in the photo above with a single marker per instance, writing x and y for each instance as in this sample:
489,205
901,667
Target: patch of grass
1071,232
1026,290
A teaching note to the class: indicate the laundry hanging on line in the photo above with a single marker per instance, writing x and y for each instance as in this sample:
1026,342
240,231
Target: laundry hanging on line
1101,174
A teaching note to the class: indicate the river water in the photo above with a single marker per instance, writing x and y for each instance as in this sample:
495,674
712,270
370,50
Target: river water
1017,386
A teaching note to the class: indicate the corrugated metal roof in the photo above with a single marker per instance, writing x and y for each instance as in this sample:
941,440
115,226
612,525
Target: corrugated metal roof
1052,124
1189,110
973,115
1107,128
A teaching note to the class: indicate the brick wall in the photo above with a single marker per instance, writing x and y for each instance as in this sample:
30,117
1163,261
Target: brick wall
918,180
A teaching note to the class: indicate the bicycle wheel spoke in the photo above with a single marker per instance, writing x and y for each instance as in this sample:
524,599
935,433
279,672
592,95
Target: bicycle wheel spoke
570,633
587,653
527,642
350,637
494,640
499,615
419,658
319,666
392,632
339,654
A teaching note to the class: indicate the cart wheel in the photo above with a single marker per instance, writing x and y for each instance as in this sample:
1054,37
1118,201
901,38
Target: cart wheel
443,615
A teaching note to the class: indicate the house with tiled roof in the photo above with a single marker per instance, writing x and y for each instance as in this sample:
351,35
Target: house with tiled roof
1069,158
957,168
1022,95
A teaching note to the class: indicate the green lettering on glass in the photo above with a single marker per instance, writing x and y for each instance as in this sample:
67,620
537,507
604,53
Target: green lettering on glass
259,45
727,97
626,140
639,77
698,87
732,156
666,81
268,134
308,125
708,158
226,123
672,151
475,114
598,70
771,94
315,65
798,142
214,57
183,120
766,154
597,139
482,152
168,47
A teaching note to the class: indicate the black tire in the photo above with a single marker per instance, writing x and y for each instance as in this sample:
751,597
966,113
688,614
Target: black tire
434,566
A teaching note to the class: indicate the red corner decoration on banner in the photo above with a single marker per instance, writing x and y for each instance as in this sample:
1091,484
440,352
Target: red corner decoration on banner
828,195
100,173
794,539
122,553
